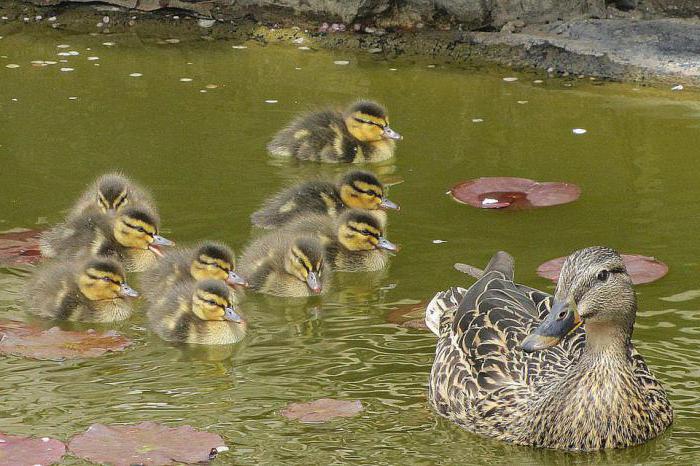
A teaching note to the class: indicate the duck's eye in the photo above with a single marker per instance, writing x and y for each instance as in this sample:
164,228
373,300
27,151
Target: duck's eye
603,275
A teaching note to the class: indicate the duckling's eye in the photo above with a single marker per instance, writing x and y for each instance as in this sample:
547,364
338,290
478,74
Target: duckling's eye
603,275
211,303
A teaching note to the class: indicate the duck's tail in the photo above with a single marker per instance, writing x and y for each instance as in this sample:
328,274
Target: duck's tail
442,302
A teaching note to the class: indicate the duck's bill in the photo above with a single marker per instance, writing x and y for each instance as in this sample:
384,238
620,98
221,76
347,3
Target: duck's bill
236,280
391,134
125,291
387,245
313,282
158,242
563,319
231,315
387,204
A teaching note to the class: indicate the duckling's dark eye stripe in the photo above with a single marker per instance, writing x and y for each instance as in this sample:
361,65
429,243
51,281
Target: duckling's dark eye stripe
95,277
137,228
360,120
365,232
215,264
371,192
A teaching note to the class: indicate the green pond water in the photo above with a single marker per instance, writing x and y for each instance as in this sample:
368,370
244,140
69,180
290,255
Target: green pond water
203,155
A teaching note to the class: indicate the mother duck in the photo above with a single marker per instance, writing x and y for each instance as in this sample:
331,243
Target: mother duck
512,363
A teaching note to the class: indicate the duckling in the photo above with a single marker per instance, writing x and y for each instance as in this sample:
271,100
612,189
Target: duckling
199,313
284,264
359,134
111,193
85,291
131,237
354,242
209,260
356,189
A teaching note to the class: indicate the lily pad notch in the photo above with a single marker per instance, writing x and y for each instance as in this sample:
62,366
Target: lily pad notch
642,269
513,193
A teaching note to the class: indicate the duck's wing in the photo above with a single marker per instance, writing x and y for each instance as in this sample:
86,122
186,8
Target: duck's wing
311,197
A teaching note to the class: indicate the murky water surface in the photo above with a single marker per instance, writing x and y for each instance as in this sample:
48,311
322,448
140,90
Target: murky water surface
202,154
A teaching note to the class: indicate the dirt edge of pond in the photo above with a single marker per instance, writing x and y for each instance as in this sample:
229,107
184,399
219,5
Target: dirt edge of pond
621,49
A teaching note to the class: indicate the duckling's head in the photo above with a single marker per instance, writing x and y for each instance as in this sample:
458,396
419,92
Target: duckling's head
137,228
594,289
112,192
215,261
305,261
362,190
361,231
367,121
211,301
104,279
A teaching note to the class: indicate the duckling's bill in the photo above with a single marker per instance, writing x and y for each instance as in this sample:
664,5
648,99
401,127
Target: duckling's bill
387,245
314,282
231,315
125,291
236,280
563,319
387,204
159,241
391,134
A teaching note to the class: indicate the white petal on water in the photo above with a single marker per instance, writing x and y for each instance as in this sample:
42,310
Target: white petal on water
63,46
136,75
297,68
271,101
72,98
304,47
172,41
522,102
510,79
431,66
203,91
185,80
74,53
14,99
37,62
239,47
579,131
221,449
477,120
489,201
63,54
108,44
66,69
211,86
12,65
679,87
392,69
50,62
93,58
341,62
439,241
538,81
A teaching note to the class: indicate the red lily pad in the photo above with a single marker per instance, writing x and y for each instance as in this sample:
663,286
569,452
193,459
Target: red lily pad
642,269
409,316
516,193
20,246
15,450
22,339
147,443
321,410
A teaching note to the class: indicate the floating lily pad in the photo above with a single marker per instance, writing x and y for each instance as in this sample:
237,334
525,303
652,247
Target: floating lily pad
520,193
642,269
409,316
22,339
321,410
16,450
147,443
19,246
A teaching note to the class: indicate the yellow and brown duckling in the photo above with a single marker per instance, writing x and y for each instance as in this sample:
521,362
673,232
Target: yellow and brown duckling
355,190
209,260
131,237
111,193
359,134
198,313
353,242
92,291
513,363
286,264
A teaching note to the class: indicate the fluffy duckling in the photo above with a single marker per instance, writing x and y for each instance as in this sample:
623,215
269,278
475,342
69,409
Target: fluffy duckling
359,134
111,193
355,190
92,291
354,242
131,237
284,264
207,261
198,313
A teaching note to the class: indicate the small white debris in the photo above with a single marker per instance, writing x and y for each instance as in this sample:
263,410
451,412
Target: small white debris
172,41
297,68
176,17
63,54
203,91
63,46
538,81
341,62
93,58
72,98
99,25
431,66
298,40
679,87
50,62
38,18
66,69
211,86
271,101
206,23
37,62
63,61
105,19
185,80
550,69
26,20
439,241
74,53
510,79
221,449
45,439
392,69
52,19
522,102
489,201
304,47
5,17
12,65
239,47
477,120
136,75
108,44
579,131
14,99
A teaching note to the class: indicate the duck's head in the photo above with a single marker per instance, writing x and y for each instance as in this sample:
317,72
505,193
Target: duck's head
594,289
305,261
359,230
215,261
362,190
211,301
367,121
112,192
104,279
137,228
